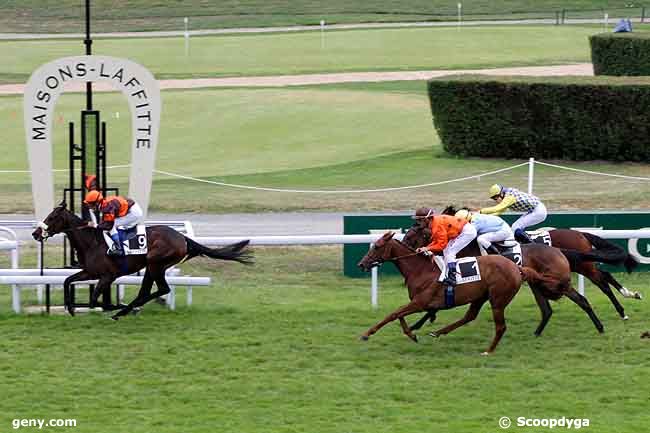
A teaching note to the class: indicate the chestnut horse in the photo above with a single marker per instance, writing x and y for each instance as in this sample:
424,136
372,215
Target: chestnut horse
608,252
166,247
500,282
541,258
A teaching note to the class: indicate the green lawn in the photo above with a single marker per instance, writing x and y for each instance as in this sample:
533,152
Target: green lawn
138,15
343,137
274,348
340,51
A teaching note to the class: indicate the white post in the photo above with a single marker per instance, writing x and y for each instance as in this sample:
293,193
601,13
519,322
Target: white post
322,34
374,273
605,22
120,293
187,37
581,284
171,298
39,287
460,14
189,295
531,174
15,289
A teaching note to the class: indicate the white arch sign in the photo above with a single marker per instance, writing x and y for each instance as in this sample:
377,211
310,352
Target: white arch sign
41,93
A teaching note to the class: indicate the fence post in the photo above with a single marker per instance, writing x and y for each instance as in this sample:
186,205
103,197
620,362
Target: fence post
557,18
643,14
531,174
563,15
373,286
581,284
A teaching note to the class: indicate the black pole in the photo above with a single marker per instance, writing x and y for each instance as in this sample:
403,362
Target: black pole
103,164
88,42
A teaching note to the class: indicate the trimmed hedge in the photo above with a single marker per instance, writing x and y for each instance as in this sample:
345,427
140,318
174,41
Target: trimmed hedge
621,54
578,118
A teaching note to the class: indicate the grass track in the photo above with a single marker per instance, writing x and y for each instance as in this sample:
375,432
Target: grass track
274,349
354,136
139,15
340,51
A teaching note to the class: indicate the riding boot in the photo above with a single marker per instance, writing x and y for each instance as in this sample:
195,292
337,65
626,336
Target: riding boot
522,237
450,279
492,250
116,249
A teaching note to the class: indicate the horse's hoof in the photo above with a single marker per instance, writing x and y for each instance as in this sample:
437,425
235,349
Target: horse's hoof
638,296
434,334
601,330
537,334
364,338
485,354
626,317
413,337
136,311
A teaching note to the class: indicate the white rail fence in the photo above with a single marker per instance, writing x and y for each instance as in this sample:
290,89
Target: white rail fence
19,278
370,238
295,240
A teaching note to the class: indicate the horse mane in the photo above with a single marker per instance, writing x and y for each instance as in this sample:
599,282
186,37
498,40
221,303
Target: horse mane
449,210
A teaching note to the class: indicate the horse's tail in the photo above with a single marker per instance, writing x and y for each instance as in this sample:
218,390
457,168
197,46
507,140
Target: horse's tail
629,261
608,256
547,280
237,252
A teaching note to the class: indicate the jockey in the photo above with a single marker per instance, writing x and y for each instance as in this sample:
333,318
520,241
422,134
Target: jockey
116,212
490,228
449,235
533,208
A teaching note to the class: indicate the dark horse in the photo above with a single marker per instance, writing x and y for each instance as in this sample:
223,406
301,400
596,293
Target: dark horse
567,239
166,247
541,258
500,282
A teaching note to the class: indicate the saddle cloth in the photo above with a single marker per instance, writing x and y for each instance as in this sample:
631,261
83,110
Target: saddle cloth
541,237
134,240
467,270
509,249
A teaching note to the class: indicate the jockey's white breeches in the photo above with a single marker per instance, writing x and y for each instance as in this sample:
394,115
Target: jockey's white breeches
486,239
531,218
458,243
132,218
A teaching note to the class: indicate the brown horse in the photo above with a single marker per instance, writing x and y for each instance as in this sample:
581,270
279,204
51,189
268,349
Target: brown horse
567,239
166,247
542,258
500,282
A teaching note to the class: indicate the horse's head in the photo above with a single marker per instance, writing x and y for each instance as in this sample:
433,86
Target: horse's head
419,235
378,253
56,222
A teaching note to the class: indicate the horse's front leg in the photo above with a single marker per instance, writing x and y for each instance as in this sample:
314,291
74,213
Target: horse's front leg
407,331
413,307
67,289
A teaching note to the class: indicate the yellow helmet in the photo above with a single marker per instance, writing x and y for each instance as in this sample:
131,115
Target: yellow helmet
464,214
495,190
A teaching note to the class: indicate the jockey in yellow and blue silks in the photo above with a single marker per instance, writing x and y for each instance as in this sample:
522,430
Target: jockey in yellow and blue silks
518,201
489,228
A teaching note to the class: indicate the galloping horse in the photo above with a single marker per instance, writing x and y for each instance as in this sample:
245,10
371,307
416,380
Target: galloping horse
500,282
166,247
541,258
567,239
